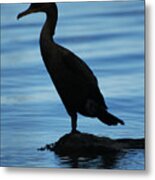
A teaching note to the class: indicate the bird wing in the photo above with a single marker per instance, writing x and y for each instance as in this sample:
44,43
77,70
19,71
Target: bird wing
78,67
82,75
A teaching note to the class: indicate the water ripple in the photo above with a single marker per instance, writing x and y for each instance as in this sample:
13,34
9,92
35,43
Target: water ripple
109,37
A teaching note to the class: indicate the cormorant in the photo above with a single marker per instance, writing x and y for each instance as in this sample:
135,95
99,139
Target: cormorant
75,82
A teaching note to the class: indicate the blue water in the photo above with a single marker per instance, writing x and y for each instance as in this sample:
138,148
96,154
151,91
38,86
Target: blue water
109,37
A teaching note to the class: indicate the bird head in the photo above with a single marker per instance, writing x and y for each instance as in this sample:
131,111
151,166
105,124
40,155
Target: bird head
37,7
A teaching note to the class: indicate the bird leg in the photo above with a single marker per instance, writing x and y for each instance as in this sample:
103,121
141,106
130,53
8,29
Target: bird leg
74,123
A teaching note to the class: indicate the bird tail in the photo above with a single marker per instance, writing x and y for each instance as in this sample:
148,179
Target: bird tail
109,119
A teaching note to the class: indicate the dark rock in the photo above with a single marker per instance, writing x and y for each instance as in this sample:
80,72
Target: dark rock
88,144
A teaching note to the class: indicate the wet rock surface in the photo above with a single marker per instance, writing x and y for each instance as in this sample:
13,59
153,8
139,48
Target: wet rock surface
88,144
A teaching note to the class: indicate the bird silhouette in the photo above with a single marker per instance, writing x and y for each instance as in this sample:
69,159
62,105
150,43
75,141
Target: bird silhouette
74,80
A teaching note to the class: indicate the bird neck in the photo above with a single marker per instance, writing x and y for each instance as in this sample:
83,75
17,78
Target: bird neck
48,29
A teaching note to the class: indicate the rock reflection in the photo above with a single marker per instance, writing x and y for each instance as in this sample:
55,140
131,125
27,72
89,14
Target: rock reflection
106,161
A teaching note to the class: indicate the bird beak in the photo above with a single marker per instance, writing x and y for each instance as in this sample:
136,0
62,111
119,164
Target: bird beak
28,11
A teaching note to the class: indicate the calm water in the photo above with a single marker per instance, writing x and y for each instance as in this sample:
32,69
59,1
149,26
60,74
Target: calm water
109,37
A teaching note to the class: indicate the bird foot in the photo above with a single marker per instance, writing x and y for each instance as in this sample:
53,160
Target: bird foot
75,132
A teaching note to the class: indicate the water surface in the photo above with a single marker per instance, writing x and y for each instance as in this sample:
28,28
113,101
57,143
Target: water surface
109,37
